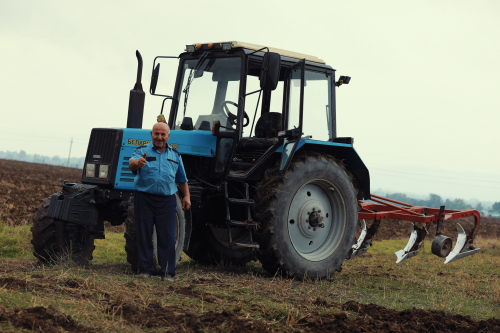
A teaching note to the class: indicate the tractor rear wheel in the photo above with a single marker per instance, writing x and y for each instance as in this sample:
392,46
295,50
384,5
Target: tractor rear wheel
210,246
131,237
55,240
308,218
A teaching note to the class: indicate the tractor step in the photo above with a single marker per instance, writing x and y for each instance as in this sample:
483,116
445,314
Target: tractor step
240,201
248,224
252,245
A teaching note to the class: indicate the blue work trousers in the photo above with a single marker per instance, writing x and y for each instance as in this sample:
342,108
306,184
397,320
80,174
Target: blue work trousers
160,211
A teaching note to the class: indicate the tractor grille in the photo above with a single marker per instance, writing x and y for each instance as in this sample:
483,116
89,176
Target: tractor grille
101,146
103,150
126,174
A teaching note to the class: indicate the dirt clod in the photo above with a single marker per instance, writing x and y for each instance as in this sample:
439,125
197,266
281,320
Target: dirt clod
375,318
42,319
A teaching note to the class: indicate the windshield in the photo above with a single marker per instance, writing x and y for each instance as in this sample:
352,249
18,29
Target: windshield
209,91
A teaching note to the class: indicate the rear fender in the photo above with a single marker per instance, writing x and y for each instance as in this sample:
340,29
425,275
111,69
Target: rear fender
348,156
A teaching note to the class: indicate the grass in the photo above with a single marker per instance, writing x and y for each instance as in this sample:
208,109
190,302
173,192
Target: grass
15,241
469,286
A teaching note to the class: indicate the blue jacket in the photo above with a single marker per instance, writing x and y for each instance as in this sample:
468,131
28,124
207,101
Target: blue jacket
161,172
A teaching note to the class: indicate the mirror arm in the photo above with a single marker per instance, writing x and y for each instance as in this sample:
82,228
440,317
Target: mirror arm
163,103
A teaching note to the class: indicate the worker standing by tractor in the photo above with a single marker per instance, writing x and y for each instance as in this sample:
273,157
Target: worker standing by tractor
157,168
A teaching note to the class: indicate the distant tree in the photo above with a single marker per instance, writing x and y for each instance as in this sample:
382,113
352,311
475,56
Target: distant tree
479,207
22,155
434,201
55,160
496,207
456,204
403,198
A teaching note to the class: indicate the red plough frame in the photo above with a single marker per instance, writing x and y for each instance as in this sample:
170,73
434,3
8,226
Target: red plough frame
384,208
388,210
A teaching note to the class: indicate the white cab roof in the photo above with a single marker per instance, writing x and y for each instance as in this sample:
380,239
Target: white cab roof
284,53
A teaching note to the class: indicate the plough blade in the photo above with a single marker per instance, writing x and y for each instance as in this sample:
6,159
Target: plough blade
362,244
462,246
409,251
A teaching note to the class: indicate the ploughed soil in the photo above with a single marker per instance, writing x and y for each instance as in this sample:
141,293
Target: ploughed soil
23,185
350,316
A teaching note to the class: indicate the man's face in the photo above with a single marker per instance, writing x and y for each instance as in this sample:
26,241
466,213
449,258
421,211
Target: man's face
160,134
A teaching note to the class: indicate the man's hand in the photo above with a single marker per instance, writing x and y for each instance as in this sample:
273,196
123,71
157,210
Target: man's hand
142,161
186,203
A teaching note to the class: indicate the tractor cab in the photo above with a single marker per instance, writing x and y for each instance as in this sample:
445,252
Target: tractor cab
255,100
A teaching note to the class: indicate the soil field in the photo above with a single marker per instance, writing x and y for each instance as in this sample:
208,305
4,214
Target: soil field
370,294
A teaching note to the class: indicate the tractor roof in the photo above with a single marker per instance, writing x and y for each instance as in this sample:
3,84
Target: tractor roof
284,53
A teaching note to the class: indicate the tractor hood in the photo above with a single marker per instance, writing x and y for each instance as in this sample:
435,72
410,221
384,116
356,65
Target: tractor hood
196,142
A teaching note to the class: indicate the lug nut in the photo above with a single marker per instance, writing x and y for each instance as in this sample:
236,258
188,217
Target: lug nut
321,225
314,229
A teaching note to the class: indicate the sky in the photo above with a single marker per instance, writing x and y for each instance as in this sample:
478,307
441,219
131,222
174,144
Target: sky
422,104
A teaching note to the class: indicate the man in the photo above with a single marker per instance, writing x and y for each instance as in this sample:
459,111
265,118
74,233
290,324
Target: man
158,168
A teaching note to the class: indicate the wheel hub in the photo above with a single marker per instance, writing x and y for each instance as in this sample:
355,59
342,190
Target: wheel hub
315,220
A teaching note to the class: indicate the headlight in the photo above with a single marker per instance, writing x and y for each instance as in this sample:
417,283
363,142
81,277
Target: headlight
90,170
103,171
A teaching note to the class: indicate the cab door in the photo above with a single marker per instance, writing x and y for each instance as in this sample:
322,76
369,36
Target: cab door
293,113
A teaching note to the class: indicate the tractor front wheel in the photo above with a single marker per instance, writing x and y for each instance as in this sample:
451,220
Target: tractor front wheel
55,240
308,218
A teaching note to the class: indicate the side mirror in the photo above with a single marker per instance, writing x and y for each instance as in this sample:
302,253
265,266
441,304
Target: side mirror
154,78
165,85
270,72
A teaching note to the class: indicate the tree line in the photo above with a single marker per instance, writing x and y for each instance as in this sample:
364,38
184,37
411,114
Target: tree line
436,201
74,162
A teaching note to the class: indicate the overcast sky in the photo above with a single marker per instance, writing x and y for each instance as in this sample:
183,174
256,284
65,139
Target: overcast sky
422,104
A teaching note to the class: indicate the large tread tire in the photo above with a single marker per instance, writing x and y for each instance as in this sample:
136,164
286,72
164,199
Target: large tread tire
55,240
208,248
278,253
131,237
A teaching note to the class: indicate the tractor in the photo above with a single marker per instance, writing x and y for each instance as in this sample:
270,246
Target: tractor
269,178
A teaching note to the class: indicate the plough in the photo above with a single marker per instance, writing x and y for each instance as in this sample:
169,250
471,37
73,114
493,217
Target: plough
384,208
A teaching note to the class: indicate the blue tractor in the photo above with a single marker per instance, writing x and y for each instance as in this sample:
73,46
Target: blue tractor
269,178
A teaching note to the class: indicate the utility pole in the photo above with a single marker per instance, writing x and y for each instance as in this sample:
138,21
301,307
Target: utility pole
71,144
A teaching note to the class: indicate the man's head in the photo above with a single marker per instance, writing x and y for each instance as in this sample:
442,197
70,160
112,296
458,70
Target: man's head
160,135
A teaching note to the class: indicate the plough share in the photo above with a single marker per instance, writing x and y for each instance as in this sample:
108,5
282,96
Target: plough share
384,208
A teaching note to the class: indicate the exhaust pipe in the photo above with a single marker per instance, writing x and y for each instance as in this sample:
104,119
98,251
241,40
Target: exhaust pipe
136,99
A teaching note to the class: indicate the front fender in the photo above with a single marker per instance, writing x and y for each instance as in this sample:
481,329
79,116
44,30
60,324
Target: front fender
75,204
